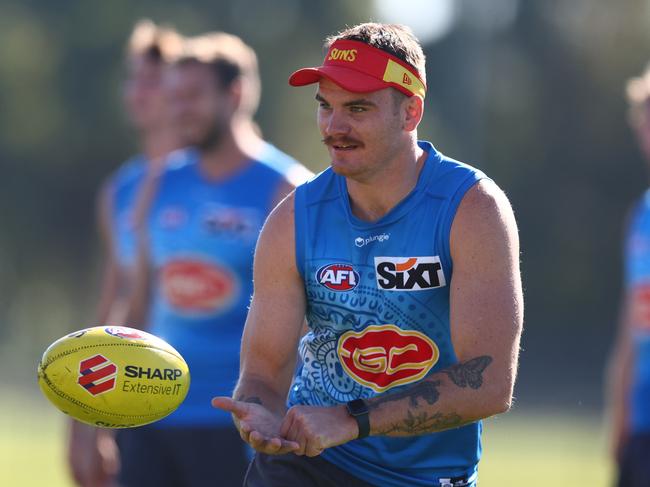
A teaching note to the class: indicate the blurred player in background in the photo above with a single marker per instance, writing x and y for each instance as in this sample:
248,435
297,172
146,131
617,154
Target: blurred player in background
92,454
629,381
404,355
195,286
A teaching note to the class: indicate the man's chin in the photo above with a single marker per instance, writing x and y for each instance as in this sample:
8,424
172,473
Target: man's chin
344,168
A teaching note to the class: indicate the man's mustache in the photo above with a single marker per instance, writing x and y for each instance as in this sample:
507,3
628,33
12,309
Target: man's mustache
339,141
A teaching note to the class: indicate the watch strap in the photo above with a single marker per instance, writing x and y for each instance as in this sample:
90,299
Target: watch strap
358,409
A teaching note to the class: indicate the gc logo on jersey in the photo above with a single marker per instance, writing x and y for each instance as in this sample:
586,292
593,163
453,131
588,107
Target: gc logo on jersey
197,286
338,277
385,356
409,273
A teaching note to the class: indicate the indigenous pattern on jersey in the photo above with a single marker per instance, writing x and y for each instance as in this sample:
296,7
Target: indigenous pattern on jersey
378,314
637,270
202,238
123,187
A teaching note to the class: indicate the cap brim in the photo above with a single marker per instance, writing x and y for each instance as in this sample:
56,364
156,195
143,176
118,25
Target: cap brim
348,79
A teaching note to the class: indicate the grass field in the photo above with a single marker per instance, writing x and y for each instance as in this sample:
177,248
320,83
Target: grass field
520,448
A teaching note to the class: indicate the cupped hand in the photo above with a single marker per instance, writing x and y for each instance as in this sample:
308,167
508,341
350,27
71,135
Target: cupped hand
257,426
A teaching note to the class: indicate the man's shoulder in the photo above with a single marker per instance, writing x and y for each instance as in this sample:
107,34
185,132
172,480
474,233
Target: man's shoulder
283,164
320,187
131,169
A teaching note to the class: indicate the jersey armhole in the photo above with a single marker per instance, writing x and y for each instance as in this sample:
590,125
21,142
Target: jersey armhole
300,227
452,208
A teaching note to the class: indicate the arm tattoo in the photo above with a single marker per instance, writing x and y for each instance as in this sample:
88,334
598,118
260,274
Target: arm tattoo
253,399
427,390
466,374
469,374
421,423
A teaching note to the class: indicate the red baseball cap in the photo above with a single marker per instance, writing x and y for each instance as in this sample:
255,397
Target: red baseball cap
358,67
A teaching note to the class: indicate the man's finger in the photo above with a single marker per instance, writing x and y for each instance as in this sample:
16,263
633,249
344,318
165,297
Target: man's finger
286,425
237,408
271,446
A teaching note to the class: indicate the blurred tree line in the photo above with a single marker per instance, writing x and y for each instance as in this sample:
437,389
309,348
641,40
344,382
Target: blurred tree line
529,91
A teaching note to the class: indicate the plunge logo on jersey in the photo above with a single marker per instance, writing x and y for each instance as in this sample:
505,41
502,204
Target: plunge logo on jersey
409,273
338,277
196,286
384,356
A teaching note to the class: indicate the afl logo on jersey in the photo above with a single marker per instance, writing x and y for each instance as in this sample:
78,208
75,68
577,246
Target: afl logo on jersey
385,356
409,273
338,277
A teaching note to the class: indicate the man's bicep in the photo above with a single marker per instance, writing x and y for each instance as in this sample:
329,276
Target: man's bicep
277,311
486,303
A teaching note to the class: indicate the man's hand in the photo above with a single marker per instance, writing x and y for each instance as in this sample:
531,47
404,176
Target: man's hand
92,456
317,428
257,426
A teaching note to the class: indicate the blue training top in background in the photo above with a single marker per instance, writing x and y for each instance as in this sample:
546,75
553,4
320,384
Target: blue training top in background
202,239
378,314
637,281
123,187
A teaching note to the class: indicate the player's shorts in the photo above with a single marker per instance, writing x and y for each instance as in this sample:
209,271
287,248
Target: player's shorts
181,457
294,470
634,468
301,471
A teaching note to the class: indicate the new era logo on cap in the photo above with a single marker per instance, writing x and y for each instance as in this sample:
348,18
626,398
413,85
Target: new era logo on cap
406,80
97,374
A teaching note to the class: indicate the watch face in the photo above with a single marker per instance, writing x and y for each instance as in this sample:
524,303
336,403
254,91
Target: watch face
357,407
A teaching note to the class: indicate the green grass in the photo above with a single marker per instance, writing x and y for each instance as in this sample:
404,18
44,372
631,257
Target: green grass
520,448
31,442
544,449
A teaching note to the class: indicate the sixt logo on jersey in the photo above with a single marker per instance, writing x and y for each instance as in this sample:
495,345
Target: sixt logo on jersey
338,277
409,273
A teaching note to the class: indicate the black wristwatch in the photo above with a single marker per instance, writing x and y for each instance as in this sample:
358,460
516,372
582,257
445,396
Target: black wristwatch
358,409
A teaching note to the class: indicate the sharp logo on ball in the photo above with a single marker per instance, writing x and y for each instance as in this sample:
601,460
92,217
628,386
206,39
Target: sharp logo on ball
120,332
385,356
149,373
197,286
338,277
97,374
409,273
152,373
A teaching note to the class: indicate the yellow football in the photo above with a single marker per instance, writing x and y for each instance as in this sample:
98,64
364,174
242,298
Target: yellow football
113,376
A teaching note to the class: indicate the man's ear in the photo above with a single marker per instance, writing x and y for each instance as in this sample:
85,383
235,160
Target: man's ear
236,93
413,108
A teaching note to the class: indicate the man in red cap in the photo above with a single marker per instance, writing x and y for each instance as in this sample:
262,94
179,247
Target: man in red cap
405,264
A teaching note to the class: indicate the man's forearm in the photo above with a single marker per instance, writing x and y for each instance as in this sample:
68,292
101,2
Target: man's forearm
451,398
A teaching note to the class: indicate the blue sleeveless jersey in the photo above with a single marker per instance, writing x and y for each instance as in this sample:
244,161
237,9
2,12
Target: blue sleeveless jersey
637,277
123,187
378,314
202,238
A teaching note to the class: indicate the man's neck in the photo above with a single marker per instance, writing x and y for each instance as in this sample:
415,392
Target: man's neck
238,145
156,144
371,199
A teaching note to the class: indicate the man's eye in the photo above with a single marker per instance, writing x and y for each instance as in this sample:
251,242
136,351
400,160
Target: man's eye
323,105
354,109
